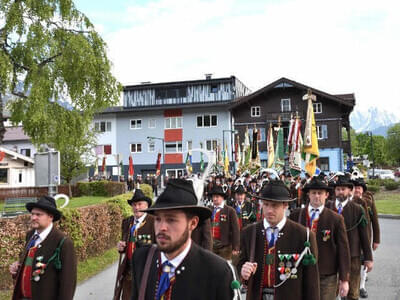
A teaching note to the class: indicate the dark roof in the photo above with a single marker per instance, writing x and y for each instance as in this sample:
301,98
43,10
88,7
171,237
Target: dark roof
338,98
177,83
15,134
121,109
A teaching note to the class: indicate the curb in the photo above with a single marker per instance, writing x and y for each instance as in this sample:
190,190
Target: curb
383,216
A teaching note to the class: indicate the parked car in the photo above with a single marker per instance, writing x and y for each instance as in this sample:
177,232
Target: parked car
397,172
381,174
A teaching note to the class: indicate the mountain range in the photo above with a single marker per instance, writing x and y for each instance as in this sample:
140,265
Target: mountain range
374,119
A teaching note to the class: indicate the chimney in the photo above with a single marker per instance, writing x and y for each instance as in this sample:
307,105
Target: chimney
208,76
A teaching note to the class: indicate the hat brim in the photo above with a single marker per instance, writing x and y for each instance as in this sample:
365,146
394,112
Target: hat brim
201,211
51,210
273,199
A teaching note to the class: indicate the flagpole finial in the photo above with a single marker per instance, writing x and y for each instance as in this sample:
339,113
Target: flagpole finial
309,96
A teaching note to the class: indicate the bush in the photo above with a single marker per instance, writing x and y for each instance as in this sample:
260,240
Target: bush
101,188
391,185
374,188
147,190
377,182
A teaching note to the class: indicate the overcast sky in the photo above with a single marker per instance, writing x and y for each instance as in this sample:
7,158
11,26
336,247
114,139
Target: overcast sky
341,46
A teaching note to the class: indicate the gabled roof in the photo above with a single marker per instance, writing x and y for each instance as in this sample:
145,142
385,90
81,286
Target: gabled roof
17,155
15,133
344,99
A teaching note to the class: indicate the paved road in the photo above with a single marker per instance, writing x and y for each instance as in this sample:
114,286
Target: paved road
383,283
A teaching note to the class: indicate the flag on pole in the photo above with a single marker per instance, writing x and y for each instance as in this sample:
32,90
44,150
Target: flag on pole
158,164
296,148
279,161
226,162
103,166
254,145
247,149
291,134
96,167
131,170
237,150
121,168
270,146
310,148
188,162
201,159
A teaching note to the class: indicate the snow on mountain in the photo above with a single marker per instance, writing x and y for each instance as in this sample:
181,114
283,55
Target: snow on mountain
372,119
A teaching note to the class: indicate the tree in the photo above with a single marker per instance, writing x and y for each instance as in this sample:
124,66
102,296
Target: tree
53,50
393,143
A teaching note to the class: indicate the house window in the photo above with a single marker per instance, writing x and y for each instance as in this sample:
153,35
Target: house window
103,149
322,132
323,163
151,147
102,126
255,111
136,124
174,122
285,105
214,88
152,123
3,175
173,147
317,107
171,93
207,121
211,145
20,177
26,152
189,145
136,148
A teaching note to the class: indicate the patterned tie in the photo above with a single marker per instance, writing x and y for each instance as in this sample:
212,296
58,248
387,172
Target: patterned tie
32,241
216,209
135,222
238,208
314,214
164,283
271,241
340,208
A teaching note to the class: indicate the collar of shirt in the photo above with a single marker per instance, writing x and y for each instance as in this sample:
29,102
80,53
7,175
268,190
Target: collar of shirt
279,225
220,206
43,235
177,260
140,220
320,208
343,203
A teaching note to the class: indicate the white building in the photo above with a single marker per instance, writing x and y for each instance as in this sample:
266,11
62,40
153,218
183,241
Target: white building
16,170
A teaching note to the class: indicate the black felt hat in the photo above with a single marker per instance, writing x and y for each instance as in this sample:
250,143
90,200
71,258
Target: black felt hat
360,182
240,190
344,181
217,190
139,196
179,194
274,190
46,203
316,183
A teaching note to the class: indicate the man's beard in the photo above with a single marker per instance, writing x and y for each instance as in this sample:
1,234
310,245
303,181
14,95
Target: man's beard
175,246
341,198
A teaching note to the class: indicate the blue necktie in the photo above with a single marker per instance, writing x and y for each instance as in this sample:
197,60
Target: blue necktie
315,211
133,227
164,282
214,212
238,208
340,208
32,241
271,241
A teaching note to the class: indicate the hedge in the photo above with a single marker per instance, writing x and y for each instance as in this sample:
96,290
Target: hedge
93,229
101,188
374,188
391,185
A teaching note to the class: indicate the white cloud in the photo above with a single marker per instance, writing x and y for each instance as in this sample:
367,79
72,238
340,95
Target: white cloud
336,46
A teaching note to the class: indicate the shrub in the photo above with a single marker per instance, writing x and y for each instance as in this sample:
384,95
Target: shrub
101,188
374,188
377,182
391,185
147,190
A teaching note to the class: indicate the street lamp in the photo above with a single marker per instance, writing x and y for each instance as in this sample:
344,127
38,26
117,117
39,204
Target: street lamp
372,154
150,138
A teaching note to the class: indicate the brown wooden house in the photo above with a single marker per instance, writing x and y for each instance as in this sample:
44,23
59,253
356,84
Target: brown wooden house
282,98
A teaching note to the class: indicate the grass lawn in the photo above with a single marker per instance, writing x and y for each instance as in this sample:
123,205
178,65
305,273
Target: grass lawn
86,269
83,201
388,202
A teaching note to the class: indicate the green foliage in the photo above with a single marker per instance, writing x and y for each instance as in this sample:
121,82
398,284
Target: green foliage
101,188
121,201
70,223
147,190
393,143
377,182
391,185
374,188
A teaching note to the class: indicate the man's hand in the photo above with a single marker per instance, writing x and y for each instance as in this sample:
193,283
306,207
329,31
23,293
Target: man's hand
14,268
248,269
375,246
368,265
121,246
235,252
343,288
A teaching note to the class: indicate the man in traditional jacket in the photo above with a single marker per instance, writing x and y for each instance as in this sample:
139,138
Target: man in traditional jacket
177,268
278,257
137,230
360,192
243,208
357,235
47,269
224,226
330,232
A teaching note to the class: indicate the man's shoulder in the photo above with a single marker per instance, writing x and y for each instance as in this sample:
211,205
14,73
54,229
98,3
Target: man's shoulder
210,260
295,213
294,226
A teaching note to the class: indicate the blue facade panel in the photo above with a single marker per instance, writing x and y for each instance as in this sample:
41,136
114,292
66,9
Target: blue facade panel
335,156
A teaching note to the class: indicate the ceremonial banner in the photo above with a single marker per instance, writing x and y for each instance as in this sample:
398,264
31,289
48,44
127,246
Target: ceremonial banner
131,170
279,152
201,159
158,164
247,149
226,162
254,147
296,148
270,147
103,166
310,149
96,167
189,168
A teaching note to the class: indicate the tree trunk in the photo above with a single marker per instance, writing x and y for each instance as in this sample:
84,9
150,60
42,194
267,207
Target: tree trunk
69,190
2,129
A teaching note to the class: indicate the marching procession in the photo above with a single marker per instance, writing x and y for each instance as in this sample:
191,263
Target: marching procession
220,239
